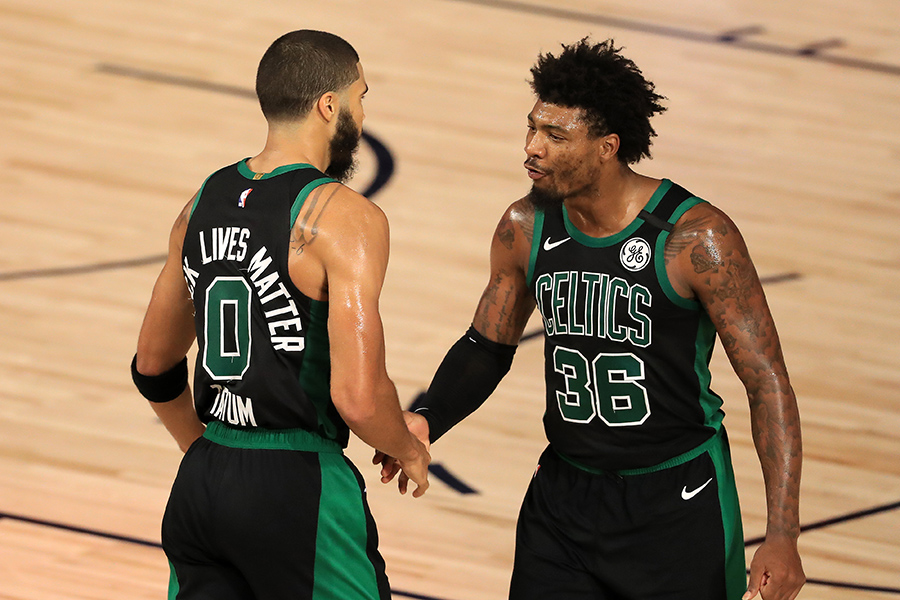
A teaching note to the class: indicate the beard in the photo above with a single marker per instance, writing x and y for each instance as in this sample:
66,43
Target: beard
545,200
343,147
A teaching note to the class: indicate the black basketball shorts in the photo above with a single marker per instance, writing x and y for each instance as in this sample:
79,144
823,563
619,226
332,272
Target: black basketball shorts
258,515
673,533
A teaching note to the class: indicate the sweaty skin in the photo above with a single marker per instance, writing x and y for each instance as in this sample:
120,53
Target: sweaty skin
706,260
339,252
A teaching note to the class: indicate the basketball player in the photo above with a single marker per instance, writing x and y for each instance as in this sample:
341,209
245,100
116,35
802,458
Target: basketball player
634,277
276,269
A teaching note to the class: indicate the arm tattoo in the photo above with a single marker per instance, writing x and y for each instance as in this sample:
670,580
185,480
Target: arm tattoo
501,312
705,258
682,237
725,280
775,423
527,222
305,233
506,233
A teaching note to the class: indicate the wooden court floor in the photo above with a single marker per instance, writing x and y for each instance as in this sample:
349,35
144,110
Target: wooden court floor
785,115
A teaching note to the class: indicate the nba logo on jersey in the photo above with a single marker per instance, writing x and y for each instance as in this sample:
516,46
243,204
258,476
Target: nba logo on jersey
635,254
242,201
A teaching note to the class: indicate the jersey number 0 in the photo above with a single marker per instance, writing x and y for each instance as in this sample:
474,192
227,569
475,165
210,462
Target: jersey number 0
226,328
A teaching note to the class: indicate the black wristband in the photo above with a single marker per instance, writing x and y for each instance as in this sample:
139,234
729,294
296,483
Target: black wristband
468,374
164,387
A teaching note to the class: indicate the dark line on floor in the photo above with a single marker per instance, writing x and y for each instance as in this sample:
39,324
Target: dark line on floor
441,473
82,269
148,543
780,278
385,165
751,542
847,585
384,160
531,335
735,37
85,530
415,596
176,80
384,171
835,520
852,586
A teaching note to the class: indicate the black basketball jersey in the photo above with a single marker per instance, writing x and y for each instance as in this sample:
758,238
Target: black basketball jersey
626,358
263,354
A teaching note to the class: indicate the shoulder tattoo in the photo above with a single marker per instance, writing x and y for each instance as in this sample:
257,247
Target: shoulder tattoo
519,217
506,232
304,232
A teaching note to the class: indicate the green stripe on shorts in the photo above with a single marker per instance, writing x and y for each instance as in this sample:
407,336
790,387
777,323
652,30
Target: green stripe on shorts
735,561
343,570
174,586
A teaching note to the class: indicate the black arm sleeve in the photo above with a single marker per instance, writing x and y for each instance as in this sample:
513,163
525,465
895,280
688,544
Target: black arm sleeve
467,376
164,387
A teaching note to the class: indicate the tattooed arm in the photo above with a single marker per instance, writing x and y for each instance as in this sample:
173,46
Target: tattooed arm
707,259
506,303
339,252
474,366
304,263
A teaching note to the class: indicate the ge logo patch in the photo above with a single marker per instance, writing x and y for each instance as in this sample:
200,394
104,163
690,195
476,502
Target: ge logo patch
635,254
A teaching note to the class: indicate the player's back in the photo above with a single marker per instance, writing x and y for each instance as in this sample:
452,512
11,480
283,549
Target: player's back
263,352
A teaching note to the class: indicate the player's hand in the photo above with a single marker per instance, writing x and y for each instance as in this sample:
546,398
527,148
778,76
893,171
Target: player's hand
775,571
415,469
391,466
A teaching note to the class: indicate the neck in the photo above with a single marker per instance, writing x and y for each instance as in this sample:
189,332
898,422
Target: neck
292,143
612,203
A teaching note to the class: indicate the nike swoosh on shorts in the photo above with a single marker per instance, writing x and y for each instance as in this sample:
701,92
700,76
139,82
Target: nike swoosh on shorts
686,495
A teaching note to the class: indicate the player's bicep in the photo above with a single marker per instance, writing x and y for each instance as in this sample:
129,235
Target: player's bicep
355,259
507,303
722,276
168,330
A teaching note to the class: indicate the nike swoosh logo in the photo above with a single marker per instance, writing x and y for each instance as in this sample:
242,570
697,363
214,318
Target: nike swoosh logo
686,495
548,245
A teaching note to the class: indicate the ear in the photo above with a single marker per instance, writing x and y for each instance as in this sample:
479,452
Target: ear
327,106
609,146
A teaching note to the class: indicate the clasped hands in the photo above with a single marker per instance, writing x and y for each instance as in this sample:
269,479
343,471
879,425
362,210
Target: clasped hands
416,470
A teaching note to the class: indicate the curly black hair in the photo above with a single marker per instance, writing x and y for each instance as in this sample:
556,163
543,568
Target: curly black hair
609,88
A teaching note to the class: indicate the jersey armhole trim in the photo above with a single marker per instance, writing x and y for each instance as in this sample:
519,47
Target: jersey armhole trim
660,262
197,199
535,245
304,193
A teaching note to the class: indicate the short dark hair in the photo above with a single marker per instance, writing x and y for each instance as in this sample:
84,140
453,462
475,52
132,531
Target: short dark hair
609,88
298,68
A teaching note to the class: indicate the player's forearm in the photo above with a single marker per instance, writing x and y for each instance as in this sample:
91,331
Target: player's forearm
180,419
373,414
775,423
468,375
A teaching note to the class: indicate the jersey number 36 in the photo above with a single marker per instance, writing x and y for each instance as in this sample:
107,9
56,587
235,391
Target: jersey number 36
607,387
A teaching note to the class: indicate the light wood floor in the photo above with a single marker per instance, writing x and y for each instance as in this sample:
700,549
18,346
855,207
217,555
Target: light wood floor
113,112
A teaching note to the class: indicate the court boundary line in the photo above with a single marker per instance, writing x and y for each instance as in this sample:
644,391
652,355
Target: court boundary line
384,160
732,38
142,542
736,37
810,580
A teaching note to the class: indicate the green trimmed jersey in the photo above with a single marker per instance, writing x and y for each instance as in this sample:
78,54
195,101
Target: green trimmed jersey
263,354
626,358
